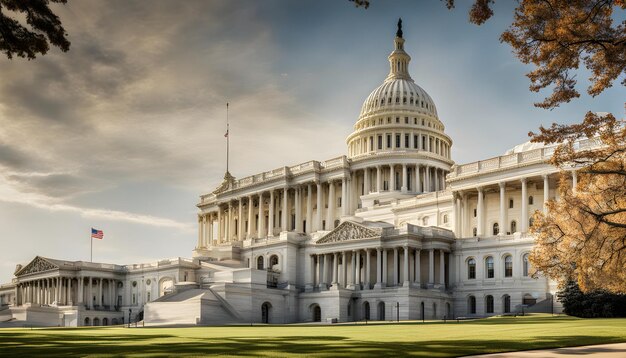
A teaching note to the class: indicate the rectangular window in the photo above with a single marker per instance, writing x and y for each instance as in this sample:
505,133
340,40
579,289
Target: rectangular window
415,141
423,142
406,141
472,272
134,299
508,269
380,142
398,145
388,140
406,120
339,202
490,271
323,224
371,144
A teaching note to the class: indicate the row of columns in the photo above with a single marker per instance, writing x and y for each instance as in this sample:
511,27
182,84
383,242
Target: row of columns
67,291
408,141
462,210
403,178
352,269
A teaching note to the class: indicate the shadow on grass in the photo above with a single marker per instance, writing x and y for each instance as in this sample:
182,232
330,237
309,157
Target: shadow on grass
50,343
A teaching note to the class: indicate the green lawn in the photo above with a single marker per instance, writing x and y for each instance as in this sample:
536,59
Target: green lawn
434,339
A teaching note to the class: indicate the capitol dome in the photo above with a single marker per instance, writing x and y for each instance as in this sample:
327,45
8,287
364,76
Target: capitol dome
399,118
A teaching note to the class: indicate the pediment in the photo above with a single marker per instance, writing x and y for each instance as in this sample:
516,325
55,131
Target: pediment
347,231
38,264
226,184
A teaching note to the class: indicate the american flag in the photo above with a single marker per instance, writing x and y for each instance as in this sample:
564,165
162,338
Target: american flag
96,234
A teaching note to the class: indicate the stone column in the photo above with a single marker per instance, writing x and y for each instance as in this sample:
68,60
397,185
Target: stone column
524,219
407,279
99,300
261,223
81,290
219,224
270,219
442,268
379,272
229,224
309,275
250,215
89,293
344,197
574,180
57,290
366,181
325,272
330,220
285,224
211,226
405,179
353,269
481,219
502,220
201,221
344,269
319,206
309,209
70,301
417,267
546,193
425,179
384,268
240,234
418,181
392,178
357,269
379,179
396,274
464,215
298,209
431,267
335,268
368,270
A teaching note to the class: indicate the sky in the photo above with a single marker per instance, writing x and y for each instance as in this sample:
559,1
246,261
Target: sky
126,130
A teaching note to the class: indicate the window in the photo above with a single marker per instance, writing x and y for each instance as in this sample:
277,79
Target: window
474,232
530,200
406,140
380,142
415,142
525,265
496,229
260,265
273,261
339,202
474,212
471,305
397,118
398,145
489,304
513,226
445,218
423,142
406,119
388,140
510,203
508,266
471,269
489,264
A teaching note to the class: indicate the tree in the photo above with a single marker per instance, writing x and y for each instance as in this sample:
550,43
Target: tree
583,235
45,28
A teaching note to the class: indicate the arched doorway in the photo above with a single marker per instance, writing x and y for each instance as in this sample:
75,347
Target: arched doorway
265,312
87,322
381,311
366,310
273,262
114,322
105,321
96,321
260,265
317,313
506,303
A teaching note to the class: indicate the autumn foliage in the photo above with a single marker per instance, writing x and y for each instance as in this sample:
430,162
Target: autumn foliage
583,235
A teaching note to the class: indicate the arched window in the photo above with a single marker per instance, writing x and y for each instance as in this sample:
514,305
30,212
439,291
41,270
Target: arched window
273,261
265,312
471,305
87,321
489,266
506,303
513,226
489,304
366,310
508,266
496,228
525,265
260,263
471,269
530,200
317,313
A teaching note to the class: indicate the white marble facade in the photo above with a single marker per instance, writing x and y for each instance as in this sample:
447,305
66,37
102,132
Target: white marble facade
393,230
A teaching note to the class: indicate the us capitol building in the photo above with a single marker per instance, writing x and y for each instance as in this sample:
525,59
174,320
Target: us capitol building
392,230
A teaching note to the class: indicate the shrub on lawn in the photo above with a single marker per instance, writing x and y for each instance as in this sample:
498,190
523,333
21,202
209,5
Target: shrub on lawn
591,304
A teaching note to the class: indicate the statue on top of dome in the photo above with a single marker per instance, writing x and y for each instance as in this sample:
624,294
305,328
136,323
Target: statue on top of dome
399,32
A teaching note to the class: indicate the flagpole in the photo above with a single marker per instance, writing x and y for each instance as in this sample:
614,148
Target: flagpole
227,138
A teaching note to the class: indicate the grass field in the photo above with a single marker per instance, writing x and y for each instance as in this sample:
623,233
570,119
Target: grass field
434,339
